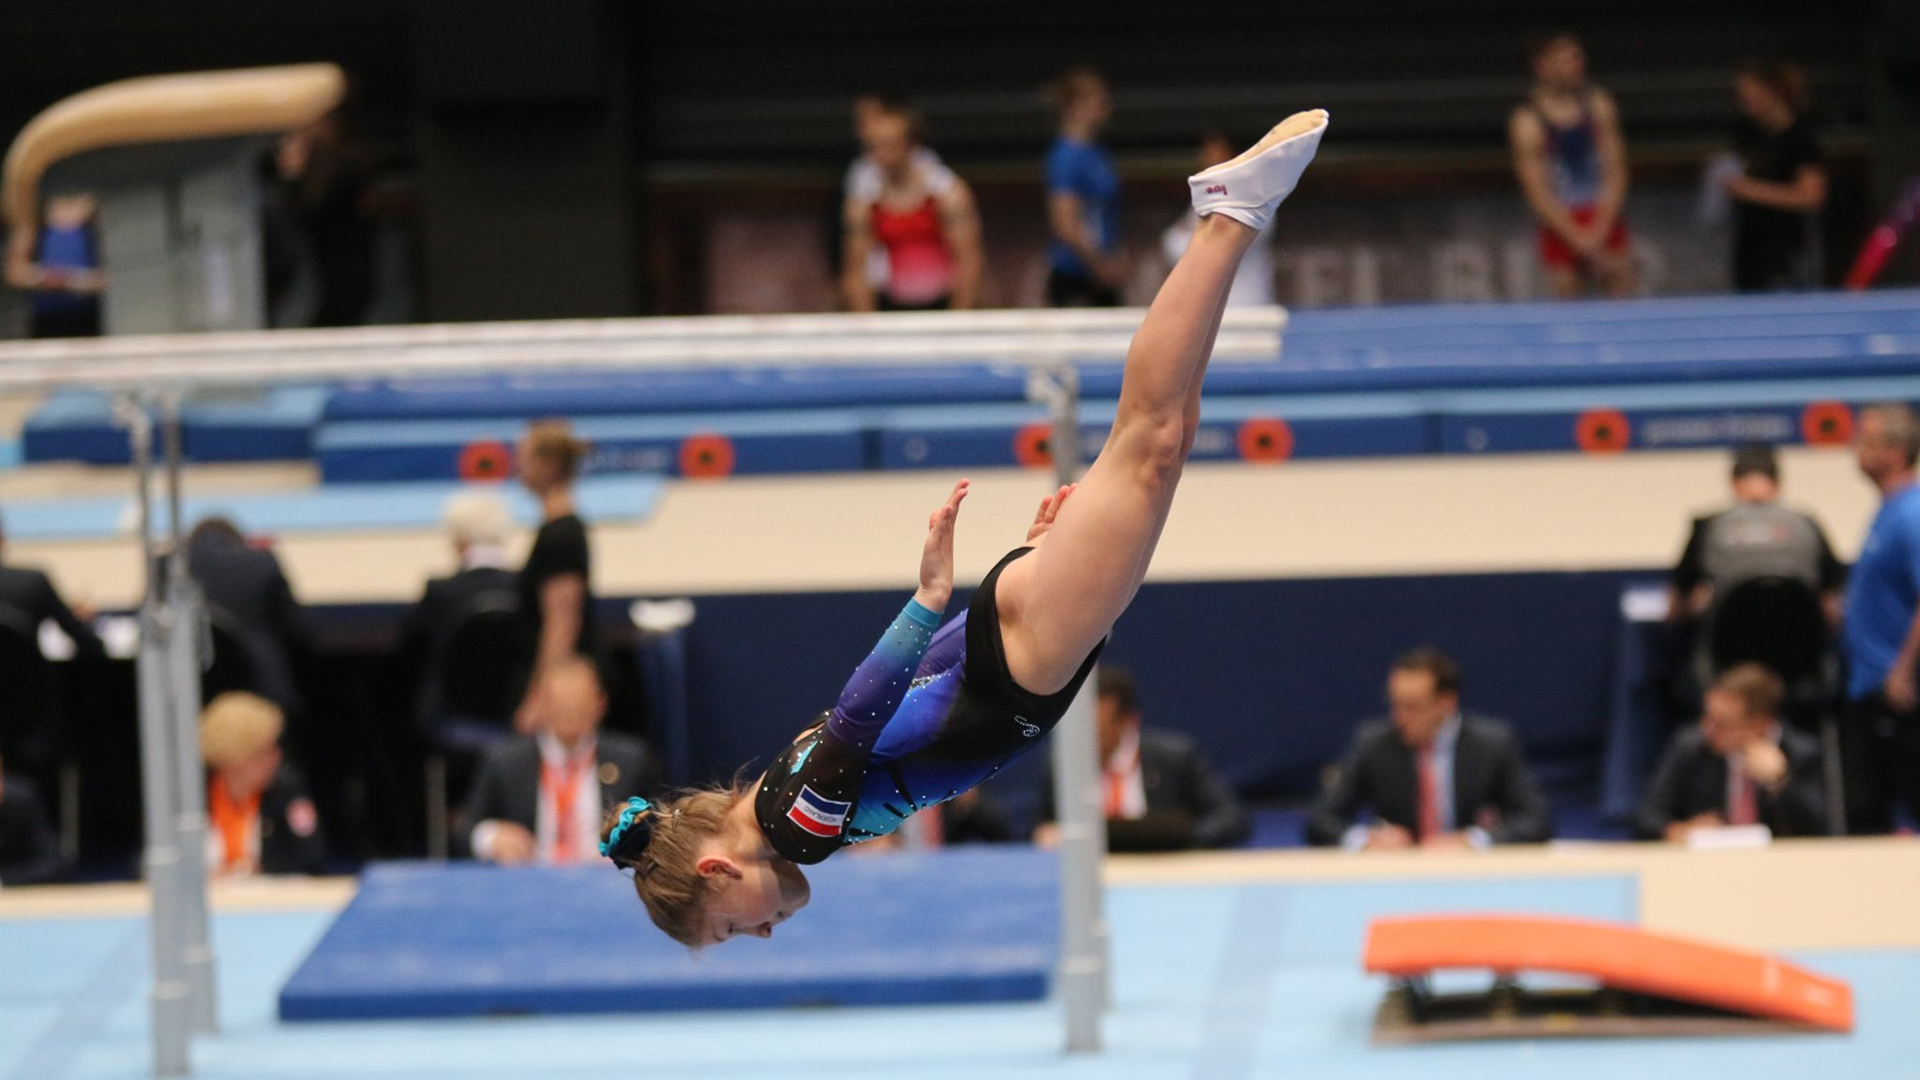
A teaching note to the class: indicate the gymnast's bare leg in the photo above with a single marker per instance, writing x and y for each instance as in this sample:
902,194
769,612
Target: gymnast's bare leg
1058,603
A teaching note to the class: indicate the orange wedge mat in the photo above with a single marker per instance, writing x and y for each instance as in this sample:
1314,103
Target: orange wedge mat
1619,956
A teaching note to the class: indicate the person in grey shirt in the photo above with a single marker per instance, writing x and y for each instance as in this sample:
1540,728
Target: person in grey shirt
1755,537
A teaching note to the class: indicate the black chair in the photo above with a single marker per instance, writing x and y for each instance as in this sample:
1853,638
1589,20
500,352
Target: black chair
227,665
26,694
474,683
33,739
1780,623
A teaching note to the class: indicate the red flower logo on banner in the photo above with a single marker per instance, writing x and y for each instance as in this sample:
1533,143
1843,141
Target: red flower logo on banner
491,460
1266,440
706,457
1827,423
1602,431
1033,445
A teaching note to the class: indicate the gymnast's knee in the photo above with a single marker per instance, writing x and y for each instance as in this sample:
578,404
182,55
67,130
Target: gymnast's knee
1156,443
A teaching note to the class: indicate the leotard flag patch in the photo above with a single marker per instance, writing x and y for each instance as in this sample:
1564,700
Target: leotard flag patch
821,817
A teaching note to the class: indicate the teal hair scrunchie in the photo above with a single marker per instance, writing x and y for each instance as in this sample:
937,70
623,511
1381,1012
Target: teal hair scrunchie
625,825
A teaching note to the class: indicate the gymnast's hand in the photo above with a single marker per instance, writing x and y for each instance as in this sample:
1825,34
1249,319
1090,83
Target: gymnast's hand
936,559
1049,509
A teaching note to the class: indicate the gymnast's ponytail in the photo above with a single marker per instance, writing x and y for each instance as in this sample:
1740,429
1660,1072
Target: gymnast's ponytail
661,842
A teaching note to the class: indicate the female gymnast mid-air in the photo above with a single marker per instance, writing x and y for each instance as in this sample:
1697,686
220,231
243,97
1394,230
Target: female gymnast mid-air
936,710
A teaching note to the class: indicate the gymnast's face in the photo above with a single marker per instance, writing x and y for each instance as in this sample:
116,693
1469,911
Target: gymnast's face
754,896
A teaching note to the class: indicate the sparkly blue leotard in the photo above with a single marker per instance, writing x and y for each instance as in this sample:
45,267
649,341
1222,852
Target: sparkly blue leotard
932,712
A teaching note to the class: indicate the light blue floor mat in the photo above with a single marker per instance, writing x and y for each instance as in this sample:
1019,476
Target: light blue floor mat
1214,982
328,508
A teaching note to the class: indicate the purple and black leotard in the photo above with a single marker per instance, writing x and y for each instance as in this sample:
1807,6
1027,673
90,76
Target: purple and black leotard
932,712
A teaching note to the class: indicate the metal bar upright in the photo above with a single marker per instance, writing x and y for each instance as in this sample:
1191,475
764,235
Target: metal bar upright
187,648
1084,968
171,995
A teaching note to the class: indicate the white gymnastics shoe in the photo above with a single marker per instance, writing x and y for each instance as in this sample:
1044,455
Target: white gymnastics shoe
1249,187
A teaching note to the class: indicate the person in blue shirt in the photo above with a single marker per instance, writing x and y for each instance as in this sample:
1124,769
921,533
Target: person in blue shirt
59,264
935,710
1880,735
1083,198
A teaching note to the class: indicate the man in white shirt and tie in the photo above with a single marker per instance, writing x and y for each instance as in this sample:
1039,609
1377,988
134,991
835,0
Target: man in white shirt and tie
539,798
1429,776
1738,766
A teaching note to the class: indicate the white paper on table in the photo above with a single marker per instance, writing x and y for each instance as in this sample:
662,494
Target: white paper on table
1715,204
1729,838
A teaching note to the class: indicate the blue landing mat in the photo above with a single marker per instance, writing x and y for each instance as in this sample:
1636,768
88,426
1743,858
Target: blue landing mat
275,424
429,940
330,508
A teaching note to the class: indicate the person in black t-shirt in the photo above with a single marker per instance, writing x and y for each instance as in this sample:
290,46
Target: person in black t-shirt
1783,185
554,585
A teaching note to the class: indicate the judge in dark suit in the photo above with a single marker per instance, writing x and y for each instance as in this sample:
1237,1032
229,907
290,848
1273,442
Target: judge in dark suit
1159,791
478,525
259,818
540,798
1738,766
29,852
28,721
1431,776
246,590
34,597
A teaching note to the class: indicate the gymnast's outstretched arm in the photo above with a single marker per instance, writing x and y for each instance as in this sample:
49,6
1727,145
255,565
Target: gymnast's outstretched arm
882,680
949,646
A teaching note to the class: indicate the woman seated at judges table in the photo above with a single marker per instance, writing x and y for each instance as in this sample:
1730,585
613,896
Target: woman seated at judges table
260,818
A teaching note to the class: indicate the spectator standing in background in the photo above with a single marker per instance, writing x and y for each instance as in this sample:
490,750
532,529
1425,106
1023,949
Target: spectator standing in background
863,177
1159,791
260,820
324,189
1432,776
1572,165
1880,731
921,215
29,851
556,594
540,798
59,264
1253,284
1782,185
1083,197
1738,766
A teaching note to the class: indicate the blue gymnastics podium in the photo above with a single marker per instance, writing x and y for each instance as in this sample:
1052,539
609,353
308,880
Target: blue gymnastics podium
436,940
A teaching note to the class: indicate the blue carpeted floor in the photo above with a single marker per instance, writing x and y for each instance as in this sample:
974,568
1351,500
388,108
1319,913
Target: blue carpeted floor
1216,982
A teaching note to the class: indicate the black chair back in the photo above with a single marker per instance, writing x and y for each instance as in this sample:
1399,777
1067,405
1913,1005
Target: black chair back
1774,621
229,666
481,668
26,692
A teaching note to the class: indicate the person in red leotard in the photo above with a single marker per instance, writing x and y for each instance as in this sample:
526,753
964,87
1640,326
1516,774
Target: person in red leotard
923,217
1571,161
